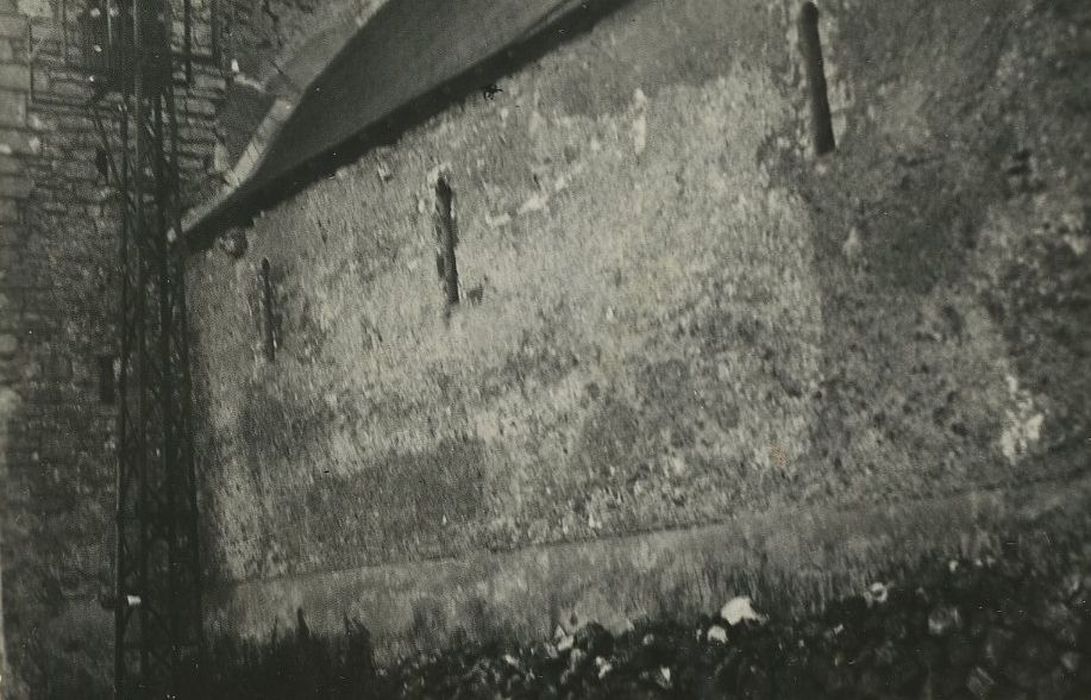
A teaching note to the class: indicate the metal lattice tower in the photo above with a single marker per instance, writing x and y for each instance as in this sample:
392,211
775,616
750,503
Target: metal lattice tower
131,58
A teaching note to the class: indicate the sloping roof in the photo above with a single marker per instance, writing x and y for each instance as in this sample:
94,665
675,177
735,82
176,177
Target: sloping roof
412,57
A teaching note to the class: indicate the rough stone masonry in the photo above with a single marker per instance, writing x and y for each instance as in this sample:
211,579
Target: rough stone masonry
684,344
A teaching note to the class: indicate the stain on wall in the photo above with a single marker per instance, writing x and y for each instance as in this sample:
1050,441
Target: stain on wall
673,313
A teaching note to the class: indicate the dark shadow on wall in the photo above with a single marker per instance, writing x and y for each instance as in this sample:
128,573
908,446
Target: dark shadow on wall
288,664
54,495
912,190
916,208
255,196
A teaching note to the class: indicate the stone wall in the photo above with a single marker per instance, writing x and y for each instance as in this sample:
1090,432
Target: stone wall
58,292
672,313
274,49
263,36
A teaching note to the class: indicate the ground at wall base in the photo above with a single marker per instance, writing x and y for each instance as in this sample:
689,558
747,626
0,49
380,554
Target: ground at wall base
1013,625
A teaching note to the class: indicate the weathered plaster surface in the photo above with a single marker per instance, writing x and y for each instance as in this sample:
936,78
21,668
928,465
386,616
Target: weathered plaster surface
791,560
673,315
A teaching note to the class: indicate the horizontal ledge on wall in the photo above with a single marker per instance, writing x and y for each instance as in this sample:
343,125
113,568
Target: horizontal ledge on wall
788,560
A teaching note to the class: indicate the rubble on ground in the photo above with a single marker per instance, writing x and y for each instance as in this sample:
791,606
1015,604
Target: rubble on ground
987,628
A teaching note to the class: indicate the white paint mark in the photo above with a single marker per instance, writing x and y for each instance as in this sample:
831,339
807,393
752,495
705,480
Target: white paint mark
640,122
383,171
1078,244
640,133
537,202
1024,423
497,221
243,79
852,246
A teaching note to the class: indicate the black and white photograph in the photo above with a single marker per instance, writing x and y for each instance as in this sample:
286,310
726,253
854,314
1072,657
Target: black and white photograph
561,349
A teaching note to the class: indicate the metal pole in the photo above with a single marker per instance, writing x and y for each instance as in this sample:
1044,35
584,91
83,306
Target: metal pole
157,577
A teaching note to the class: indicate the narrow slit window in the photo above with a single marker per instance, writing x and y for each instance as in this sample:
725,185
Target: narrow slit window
821,124
102,163
268,314
446,240
107,380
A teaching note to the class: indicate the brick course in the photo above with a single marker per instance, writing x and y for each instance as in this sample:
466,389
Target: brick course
58,223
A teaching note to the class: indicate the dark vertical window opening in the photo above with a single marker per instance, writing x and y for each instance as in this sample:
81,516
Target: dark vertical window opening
447,240
107,380
270,343
821,124
102,163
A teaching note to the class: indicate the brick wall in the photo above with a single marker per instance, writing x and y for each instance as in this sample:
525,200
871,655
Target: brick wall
259,35
277,48
57,338
15,84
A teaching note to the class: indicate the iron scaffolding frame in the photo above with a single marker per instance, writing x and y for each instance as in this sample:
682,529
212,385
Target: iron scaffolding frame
156,601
